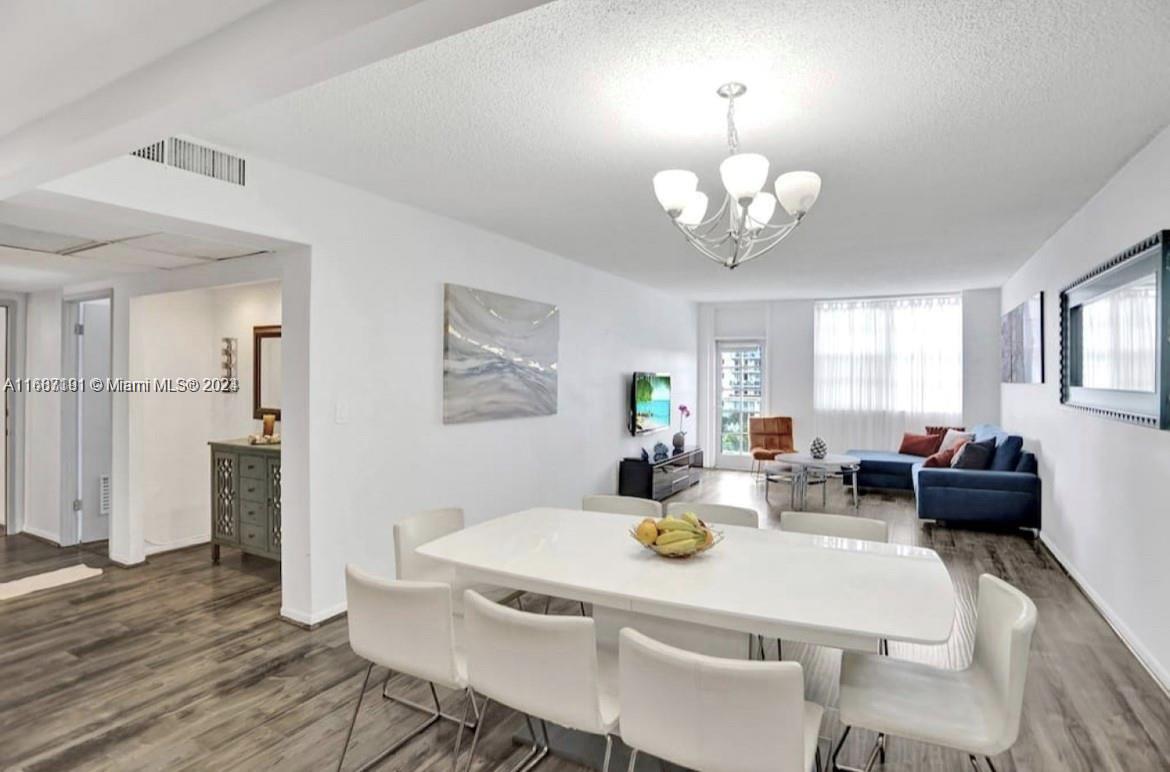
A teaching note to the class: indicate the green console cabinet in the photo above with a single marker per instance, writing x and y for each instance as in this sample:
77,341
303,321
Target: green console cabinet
245,498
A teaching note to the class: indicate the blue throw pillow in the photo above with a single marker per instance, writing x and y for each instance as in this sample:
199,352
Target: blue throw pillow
1007,454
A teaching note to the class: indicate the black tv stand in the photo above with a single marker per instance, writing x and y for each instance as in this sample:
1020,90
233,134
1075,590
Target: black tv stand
659,479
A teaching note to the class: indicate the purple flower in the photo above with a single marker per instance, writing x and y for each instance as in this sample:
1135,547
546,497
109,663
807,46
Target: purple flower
685,411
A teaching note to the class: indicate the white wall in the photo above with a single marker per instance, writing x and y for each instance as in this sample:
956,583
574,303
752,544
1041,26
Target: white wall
981,361
1105,504
787,328
379,449
178,335
42,487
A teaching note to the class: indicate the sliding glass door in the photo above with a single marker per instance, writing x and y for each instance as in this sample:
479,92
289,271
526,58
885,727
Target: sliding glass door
741,397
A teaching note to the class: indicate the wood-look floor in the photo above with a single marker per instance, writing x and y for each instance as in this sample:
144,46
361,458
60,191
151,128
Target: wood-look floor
181,665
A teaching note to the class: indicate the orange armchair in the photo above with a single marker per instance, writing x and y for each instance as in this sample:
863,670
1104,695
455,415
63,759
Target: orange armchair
769,437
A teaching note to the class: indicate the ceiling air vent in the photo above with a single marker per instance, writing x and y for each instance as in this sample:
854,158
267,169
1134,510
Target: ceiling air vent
189,156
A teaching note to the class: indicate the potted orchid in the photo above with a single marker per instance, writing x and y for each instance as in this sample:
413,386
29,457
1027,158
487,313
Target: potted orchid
680,438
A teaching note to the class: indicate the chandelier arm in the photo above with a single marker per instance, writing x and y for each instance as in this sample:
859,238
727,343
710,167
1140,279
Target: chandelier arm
762,247
711,221
713,243
703,248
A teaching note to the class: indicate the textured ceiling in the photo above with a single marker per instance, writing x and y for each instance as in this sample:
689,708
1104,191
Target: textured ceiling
953,136
52,53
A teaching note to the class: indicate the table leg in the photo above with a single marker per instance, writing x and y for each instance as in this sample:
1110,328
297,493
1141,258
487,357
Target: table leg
856,501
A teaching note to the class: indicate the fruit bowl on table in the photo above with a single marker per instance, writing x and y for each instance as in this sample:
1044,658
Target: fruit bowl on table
676,537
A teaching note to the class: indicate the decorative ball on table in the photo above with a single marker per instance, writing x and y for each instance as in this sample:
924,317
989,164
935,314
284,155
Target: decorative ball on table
661,452
818,449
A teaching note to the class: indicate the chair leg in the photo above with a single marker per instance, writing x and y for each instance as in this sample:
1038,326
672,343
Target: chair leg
974,762
433,718
352,721
990,765
459,731
538,752
584,613
779,650
422,708
547,603
608,752
475,737
633,759
817,758
836,766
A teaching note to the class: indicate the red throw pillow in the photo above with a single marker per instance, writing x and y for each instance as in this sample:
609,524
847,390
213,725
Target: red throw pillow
943,429
920,444
943,458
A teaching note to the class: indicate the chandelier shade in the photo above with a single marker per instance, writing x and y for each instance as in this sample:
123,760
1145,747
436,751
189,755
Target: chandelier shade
743,175
798,191
741,228
674,189
695,210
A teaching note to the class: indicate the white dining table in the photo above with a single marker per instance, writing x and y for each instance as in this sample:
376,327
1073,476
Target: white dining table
814,589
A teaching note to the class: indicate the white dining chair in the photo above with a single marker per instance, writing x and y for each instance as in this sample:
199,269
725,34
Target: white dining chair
406,627
841,526
543,666
709,713
975,710
622,505
415,531
716,514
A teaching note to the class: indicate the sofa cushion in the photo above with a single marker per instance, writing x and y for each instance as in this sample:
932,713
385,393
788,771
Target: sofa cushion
975,455
952,438
989,431
920,444
1007,454
1027,464
943,458
885,461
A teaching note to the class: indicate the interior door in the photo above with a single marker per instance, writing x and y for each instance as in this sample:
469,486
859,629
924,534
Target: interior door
95,420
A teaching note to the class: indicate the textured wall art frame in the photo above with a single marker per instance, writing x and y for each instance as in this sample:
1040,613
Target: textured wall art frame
499,356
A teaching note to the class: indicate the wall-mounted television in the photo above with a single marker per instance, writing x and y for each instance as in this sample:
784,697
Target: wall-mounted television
649,403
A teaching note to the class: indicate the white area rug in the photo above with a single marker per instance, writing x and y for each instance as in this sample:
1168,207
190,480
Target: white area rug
18,587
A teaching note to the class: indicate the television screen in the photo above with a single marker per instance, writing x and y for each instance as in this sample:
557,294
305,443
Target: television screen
650,402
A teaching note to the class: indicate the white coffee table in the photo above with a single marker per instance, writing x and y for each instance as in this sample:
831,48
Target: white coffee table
832,464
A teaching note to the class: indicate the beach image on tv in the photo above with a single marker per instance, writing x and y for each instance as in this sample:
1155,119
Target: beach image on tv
651,401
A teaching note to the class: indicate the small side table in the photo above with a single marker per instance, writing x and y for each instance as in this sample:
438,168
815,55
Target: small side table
832,465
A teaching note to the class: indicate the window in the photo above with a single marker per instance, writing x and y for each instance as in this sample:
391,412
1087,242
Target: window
741,392
883,367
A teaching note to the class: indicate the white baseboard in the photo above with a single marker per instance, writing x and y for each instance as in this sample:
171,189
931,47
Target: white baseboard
190,541
1159,673
304,619
37,532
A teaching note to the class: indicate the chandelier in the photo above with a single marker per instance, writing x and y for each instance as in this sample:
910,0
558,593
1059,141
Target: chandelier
742,228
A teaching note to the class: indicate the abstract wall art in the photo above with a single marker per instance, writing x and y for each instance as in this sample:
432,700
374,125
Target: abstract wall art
1021,348
499,356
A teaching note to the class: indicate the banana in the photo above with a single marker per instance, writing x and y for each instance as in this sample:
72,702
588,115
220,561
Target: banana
671,537
692,518
671,525
681,547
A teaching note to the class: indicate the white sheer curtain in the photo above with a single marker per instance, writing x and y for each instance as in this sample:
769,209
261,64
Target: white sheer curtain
884,367
1119,333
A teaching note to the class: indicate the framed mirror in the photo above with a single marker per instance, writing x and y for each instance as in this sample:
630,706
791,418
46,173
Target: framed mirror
1113,331
266,370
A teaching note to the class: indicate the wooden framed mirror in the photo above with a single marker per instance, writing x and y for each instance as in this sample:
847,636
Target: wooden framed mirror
1113,328
266,369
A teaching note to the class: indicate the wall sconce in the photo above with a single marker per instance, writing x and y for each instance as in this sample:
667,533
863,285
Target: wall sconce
230,364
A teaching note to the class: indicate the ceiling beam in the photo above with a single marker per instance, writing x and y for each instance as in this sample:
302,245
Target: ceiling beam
281,47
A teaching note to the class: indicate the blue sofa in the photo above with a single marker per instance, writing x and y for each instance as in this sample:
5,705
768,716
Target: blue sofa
1006,494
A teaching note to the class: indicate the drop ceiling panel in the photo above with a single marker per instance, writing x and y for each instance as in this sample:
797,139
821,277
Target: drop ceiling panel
126,255
41,241
191,246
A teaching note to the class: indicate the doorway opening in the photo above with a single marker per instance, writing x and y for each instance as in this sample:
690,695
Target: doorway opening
88,421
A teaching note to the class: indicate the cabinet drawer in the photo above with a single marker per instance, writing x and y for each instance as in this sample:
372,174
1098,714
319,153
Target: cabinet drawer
254,512
252,489
252,466
253,536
